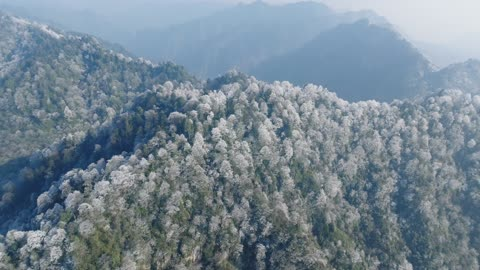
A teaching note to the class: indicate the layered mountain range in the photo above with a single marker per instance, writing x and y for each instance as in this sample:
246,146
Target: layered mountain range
241,37
146,167
304,42
359,55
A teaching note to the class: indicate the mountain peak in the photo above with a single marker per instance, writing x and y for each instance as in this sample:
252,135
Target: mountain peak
308,4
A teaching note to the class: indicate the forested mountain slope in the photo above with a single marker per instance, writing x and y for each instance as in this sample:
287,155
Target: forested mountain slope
53,83
251,175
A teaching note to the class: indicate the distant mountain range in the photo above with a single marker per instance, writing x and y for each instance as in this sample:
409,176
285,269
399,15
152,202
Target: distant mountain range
109,19
360,61
359,55
241,37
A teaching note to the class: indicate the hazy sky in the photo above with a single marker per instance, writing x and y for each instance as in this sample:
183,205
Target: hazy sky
438,21
446,30
427,20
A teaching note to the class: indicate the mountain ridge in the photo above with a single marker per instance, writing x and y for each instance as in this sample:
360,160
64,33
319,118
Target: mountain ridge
53,83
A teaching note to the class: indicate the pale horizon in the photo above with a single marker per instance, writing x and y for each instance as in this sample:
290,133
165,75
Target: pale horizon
444,31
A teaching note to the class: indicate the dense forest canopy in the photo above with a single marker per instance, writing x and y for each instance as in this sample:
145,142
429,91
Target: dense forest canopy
257,175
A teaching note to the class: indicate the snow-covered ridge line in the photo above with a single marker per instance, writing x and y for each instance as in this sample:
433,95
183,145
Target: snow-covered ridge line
57,35
43,27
